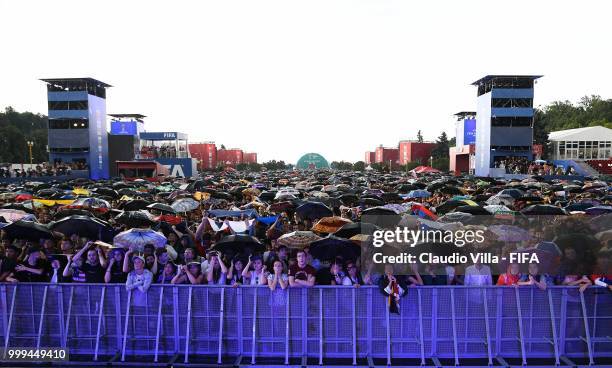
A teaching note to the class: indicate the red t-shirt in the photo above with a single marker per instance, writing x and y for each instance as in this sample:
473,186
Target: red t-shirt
301,273
507,279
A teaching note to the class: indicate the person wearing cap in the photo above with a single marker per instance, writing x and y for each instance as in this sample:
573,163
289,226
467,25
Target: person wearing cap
140,278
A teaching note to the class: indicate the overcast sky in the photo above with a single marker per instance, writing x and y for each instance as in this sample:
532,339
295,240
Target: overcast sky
283,78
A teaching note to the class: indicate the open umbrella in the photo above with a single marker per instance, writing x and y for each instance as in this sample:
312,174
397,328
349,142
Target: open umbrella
23,197
138,238
367,201
497,209
298,239
90,202
503,199
281,206
235,244
134,205
90,227
185,205
331,247
138,219
27,230
462,217
509,233
473,210
381,216
161,207
330,224
351,229
12,215
8,196
69,212
313,210
420,193
543,209
598,210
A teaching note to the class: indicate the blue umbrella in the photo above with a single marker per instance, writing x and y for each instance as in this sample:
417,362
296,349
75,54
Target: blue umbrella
598,210
419,193
138,238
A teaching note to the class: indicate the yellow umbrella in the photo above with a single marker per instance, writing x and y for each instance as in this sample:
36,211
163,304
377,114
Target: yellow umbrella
81,191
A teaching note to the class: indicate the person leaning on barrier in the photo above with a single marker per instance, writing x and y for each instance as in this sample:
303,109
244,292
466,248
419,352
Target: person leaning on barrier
217,271
393,287
114,271
32,269
140,278
257,275
301,274
353,276
95,264
533,277
277,278
8,263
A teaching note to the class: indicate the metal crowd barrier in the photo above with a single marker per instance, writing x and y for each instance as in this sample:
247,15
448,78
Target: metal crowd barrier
246,324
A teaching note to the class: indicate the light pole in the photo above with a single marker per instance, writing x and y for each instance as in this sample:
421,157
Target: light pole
430,161
30,144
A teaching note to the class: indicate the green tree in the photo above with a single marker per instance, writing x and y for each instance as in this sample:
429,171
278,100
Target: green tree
419,136
359,166
377,166
16,128
341,165
441,148
441,163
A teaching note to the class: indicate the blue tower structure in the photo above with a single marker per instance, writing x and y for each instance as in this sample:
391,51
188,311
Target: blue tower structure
77,124
504,120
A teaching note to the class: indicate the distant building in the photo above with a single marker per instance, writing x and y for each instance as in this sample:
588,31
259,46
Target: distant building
230,157
78,133
386,155
249,158
311,161
504,121
462,157
205,153
412,151
370,157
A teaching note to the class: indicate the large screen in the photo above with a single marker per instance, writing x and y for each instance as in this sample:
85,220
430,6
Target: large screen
469,131
123,128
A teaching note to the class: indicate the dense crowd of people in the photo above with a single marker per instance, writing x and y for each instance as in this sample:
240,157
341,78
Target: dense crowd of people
161,151
44,169
249,229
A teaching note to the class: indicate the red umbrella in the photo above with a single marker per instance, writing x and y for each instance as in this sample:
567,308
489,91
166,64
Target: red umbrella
23,197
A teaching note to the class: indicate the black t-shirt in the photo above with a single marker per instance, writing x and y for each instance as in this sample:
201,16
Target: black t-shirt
93,274
117,274
8,265
26,276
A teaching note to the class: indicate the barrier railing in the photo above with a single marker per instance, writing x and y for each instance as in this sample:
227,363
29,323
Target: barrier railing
218,322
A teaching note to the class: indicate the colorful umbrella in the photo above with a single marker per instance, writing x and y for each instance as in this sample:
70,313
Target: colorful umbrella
138,238
298,239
